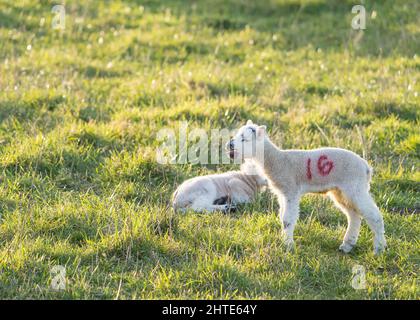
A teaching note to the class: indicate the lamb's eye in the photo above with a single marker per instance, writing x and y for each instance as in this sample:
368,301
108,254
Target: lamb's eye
243,139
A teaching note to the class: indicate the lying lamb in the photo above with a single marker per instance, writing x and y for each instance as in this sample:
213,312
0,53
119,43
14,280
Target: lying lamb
219,191
340,173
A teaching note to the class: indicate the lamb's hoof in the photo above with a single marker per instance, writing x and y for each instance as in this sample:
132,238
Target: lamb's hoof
379,246
379,250
290,246
346,247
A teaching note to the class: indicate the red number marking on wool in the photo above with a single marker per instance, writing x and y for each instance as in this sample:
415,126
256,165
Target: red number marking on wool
324,165
308,169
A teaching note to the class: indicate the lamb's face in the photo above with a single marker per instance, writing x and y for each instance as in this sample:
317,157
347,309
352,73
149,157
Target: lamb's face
244,144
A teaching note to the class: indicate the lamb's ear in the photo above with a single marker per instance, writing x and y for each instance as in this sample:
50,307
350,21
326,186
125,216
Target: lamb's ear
249,122
261,131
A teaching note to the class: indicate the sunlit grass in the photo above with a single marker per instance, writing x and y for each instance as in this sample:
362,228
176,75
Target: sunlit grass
79,113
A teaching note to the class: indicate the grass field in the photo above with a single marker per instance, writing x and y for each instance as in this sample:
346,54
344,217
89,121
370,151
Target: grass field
80,109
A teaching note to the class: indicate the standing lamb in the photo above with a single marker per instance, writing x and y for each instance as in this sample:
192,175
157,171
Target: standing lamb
340,173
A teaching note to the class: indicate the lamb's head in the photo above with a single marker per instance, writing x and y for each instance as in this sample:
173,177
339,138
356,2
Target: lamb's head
248,142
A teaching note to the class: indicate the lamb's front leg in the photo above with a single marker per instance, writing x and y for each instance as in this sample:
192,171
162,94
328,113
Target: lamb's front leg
289,214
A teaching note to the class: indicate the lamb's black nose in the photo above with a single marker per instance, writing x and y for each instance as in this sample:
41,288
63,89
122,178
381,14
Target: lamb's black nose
231,145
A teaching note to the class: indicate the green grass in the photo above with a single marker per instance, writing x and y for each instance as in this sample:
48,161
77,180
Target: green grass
79,113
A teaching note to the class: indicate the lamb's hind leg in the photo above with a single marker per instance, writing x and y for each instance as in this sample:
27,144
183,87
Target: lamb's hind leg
366,207
353,218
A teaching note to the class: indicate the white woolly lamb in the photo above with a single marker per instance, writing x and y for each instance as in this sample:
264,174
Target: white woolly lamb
340,173
219,191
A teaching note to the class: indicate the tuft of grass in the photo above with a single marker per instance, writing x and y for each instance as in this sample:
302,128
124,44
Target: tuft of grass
80,109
